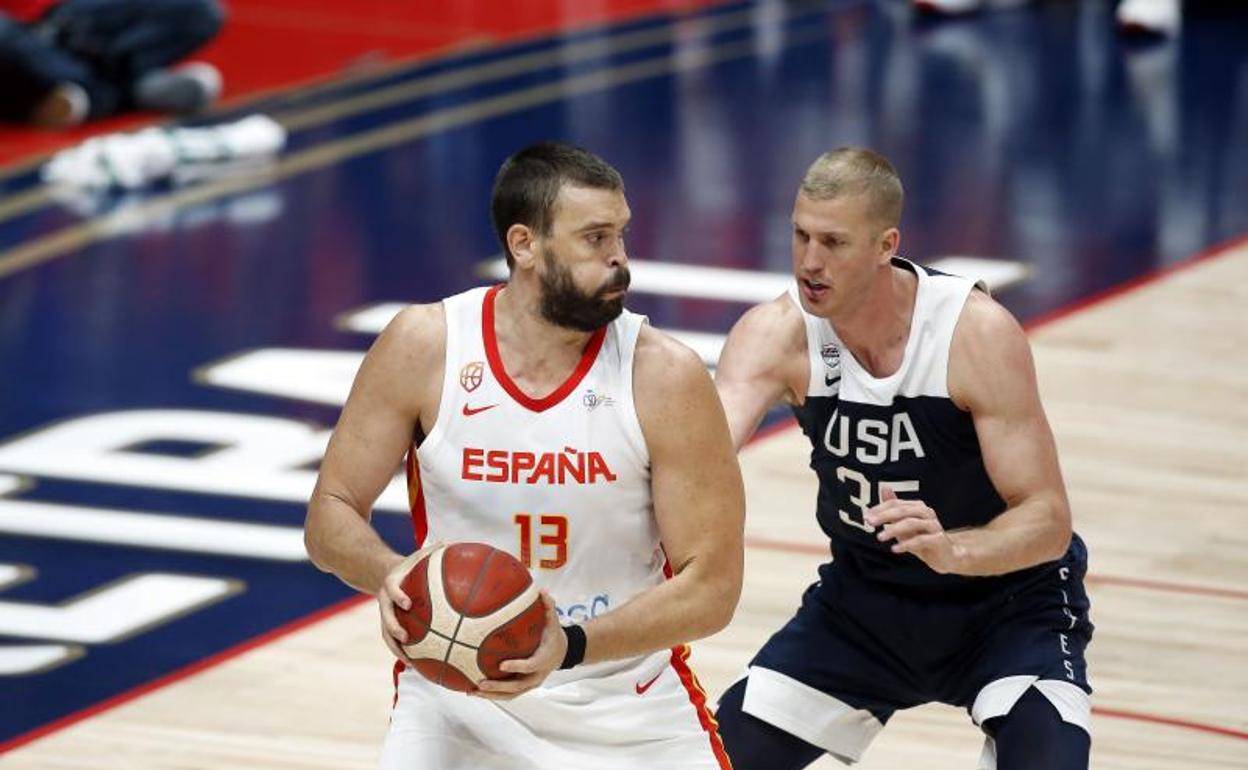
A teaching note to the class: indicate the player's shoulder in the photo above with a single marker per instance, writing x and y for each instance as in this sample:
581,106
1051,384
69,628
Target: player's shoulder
779,319
418,320
659,356
989,354
673,395
769,331
416,334
767,343
985,327
418,323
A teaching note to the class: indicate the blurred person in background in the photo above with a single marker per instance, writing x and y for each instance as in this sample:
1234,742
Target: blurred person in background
1160,18
66,61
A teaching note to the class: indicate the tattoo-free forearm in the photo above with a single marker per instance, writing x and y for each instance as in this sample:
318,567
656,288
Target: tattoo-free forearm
341,541
689,606
1033,532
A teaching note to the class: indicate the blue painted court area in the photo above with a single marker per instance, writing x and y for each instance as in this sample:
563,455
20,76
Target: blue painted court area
1033,136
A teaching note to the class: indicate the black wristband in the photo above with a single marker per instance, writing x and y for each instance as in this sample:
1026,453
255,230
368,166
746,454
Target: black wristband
576,646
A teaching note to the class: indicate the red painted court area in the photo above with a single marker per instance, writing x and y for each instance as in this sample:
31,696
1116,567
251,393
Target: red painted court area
272,45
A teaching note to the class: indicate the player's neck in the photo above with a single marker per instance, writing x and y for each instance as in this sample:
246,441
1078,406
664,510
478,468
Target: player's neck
877,329
537,354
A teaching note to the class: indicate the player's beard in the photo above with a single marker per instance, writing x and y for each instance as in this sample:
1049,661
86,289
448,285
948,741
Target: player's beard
563,304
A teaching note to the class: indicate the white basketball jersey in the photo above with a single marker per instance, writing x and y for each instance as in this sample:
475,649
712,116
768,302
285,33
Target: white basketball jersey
561,482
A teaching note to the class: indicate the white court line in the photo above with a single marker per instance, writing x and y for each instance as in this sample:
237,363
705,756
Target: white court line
151,530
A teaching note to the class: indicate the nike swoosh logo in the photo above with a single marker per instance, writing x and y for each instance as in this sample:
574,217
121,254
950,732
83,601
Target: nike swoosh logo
469,411
830,381
641,688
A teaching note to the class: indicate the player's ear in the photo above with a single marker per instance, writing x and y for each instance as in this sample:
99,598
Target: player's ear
520,240
889,242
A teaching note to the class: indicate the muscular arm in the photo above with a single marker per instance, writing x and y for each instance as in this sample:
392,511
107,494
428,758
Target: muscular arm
698,502
991,373
401,372
763,363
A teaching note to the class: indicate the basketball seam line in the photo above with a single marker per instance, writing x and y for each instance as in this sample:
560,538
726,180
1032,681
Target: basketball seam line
472,592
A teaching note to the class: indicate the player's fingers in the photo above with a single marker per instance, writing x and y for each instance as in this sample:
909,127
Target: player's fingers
508,687
395,644
390,623
887,505
887,493
906,528
917,545
895,510
520,665
479,693
396,649
392,587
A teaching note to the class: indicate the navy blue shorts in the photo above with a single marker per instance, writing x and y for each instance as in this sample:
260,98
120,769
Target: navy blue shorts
856,652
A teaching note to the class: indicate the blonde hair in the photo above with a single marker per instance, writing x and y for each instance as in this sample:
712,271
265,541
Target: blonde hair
848,171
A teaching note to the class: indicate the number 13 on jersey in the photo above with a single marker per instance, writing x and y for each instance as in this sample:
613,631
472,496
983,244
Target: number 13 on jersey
552,539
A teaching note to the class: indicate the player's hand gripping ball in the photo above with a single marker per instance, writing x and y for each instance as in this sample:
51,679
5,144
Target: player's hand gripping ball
473,606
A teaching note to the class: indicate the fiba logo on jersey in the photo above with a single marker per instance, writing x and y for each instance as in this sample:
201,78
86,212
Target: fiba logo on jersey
592,400
470,375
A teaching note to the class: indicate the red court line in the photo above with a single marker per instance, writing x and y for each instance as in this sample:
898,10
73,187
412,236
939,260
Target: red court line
1156,720
183,673
821,549
1161,585
1117,290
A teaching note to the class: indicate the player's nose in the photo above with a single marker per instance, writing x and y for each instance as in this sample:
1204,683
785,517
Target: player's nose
808,257
619,255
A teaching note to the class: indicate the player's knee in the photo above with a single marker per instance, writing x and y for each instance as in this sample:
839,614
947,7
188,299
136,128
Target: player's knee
753,744
1033,736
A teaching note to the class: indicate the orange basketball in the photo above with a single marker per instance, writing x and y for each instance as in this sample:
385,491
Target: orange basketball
473,606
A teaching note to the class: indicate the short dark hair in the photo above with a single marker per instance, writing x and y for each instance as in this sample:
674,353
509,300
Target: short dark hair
528,184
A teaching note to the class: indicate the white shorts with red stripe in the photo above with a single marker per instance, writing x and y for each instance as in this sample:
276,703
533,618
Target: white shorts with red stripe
649,713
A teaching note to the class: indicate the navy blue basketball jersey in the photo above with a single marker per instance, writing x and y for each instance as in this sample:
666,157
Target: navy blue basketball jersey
903,431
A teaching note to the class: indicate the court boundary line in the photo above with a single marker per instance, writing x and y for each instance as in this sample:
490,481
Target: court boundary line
185,672
1160,586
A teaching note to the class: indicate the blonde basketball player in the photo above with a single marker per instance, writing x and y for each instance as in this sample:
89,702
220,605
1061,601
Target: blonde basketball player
542,418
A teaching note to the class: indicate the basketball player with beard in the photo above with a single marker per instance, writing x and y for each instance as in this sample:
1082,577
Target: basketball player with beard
542,418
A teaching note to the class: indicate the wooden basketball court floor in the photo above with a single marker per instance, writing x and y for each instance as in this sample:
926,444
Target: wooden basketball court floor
1146,392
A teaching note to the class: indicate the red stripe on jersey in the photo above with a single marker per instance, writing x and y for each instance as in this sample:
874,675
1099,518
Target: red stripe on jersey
398,669
416,498
496,361
697,696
